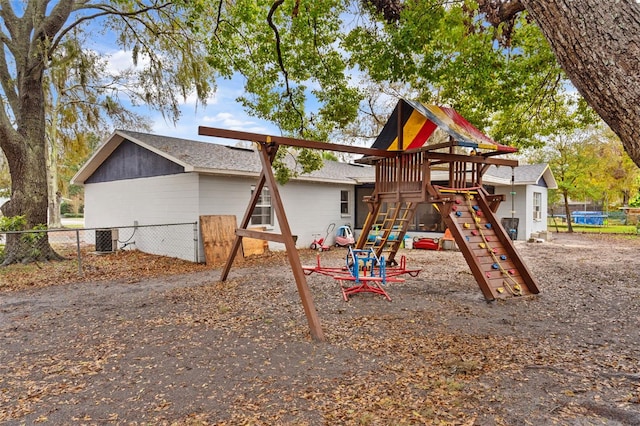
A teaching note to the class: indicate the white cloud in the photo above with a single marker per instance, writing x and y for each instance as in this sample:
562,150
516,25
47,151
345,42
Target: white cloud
236,121
122,60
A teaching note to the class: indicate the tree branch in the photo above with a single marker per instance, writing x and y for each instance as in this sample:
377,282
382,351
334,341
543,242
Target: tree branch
8,87
106,10
289,94
499,11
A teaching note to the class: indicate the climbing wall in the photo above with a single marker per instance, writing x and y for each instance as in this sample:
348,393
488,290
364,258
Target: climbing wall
491,255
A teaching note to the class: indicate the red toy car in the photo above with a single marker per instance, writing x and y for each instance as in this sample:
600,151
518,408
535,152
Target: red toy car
426,243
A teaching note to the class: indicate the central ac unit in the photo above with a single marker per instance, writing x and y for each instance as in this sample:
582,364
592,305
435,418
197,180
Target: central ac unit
106,240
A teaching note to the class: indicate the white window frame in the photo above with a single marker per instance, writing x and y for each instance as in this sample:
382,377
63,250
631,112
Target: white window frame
264,202
537,206
345,205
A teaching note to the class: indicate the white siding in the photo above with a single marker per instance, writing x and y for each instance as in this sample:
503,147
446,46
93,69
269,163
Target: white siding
523,203
222,195
518,204
310,207
149,201
537,225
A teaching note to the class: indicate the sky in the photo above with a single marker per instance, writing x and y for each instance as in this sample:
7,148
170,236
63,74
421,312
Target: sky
221,110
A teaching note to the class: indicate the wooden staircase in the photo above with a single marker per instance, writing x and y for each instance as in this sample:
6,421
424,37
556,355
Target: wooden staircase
385,228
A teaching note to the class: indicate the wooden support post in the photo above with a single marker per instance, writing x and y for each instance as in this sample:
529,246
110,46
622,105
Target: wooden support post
267,153
237,243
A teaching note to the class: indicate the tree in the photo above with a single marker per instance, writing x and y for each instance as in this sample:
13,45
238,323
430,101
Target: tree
570,156
80,104
296,55
618,175
597,44
589,165
30,37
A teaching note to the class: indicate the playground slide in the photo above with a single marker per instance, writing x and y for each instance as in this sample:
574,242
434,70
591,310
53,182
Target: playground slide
490,253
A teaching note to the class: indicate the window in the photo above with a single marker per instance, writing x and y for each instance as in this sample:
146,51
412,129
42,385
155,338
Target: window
262,213
344,203
537,206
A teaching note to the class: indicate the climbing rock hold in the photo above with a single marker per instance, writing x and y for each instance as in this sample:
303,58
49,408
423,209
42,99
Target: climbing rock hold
495,266
474,233
512,271
494,251
476,208
458,214
500,290
479,214
466,226
488,274
454,208
503,257
468,238
487,238
477,220
482,245
487,225
458,201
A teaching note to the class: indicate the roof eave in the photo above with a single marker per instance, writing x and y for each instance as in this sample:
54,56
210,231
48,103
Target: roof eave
549,178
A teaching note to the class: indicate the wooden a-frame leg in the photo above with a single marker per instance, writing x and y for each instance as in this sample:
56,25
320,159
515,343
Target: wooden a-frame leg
267,152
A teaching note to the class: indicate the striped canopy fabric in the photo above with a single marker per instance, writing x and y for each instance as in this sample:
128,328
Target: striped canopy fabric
418,122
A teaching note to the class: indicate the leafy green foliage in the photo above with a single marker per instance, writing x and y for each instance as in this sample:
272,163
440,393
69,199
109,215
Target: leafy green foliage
12,223
286,52
504,80
302,61
590,165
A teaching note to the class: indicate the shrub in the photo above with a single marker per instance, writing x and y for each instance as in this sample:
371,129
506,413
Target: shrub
66,208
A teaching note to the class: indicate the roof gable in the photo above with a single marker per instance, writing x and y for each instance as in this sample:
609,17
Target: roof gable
131,161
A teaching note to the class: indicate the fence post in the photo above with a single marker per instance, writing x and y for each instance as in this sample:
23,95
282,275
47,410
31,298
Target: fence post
195,242
79,254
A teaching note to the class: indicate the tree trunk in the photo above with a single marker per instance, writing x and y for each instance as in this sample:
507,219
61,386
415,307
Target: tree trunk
25,150
52,176
597,43
28,198
567,211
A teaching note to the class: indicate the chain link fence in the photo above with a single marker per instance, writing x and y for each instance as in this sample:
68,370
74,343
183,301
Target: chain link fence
179,240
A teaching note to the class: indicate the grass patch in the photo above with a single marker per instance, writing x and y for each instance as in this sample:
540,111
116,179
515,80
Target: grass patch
608,229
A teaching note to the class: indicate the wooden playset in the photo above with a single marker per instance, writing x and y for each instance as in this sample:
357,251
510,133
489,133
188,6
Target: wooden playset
405,157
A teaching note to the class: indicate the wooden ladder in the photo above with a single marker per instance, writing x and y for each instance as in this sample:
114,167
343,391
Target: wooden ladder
385,228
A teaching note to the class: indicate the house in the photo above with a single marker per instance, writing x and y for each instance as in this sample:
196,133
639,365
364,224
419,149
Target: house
525,207
144,179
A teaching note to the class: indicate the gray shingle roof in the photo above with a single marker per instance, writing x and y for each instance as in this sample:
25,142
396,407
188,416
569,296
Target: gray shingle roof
216,158
524,174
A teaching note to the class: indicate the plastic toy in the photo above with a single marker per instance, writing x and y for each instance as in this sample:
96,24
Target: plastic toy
344,237
426,243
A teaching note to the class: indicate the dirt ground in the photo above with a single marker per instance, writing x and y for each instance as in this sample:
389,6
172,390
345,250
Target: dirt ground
187,349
